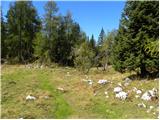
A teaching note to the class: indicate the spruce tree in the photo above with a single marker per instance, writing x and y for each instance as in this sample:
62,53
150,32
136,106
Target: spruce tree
138,30
22,23
92,43
51,23
101,37
3,37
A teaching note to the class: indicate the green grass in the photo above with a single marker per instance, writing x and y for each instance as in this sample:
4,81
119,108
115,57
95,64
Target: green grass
79,100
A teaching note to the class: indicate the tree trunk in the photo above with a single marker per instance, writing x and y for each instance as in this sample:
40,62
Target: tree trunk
144,72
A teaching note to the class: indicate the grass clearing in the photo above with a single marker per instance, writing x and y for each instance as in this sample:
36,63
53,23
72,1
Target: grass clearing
77,102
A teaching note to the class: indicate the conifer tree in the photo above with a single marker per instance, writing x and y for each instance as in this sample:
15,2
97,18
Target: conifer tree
138,30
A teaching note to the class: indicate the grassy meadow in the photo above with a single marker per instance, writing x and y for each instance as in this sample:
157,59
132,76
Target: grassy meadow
77,101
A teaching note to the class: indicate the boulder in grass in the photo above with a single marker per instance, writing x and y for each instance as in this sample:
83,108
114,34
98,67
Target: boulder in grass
141,105
146,96
138,92
106,93
117,89
134,89
137,96
29,97
119,84
127,80
122,95
126,84
107,96
151,107
61,89
90,82
102,81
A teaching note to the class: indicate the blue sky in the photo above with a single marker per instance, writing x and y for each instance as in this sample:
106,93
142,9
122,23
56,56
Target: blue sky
91,15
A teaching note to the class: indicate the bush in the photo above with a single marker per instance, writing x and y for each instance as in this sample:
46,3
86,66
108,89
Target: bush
84,57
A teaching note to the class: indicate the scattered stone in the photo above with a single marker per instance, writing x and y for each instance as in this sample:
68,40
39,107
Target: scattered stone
90,82
106,93
61,89
146,96
142,105
95,94
148,111
151,107
150,94
68,74
41,66
107,96
29,66
119,84
154,113
134,89
117,89
46,97
127,80
156,79
122,95
138,92
102,81
126,84
86,77
137,96
29,97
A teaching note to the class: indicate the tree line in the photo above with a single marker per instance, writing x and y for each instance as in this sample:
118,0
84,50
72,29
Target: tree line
54,38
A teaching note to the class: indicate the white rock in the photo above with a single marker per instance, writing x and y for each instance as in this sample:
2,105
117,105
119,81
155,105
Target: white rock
152,93
137,96
95,94
106,93
90,83
138,92
154,113
146,96
149,94
126,84
41,66
151,107
107,96
30,97
122,95
60,88
156,79
117,89
68,74
127,80
141,105
86,76
148,111
102,81
134,89
119,84
46,97
89,80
